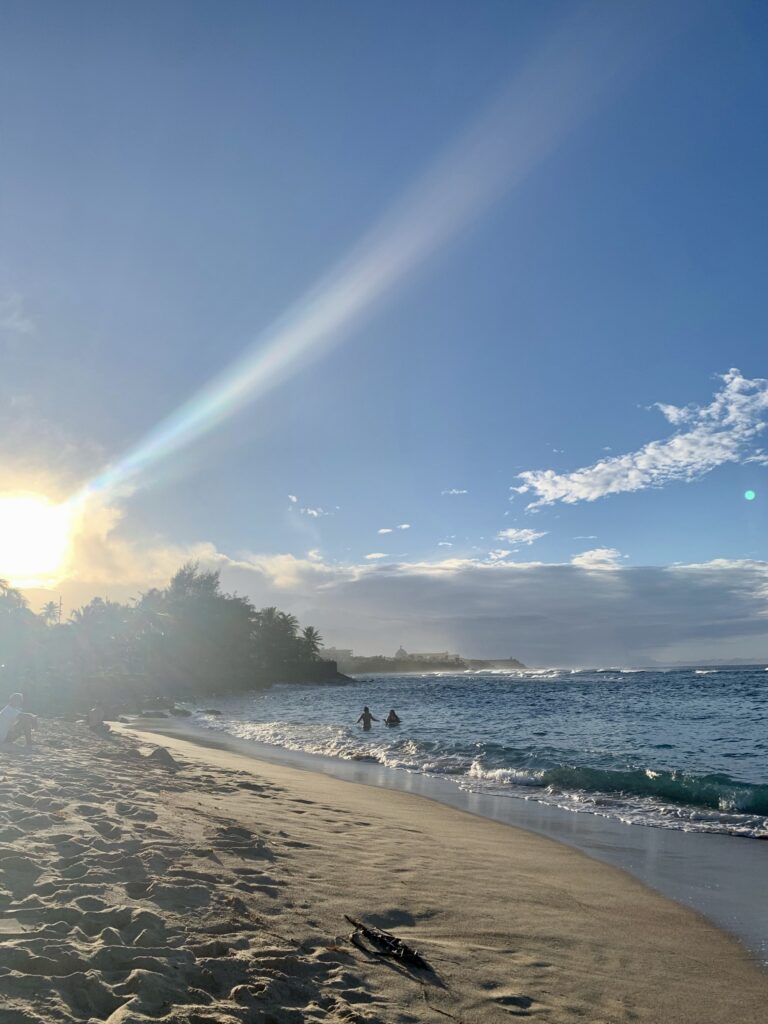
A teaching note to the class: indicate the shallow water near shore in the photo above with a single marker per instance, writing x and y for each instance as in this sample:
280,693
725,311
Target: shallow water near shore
683,749
716,875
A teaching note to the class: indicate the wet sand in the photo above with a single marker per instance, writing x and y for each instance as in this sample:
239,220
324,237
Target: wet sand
214,893
722,877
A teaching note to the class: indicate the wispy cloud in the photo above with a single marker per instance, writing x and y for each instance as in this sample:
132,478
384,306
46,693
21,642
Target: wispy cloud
391,529
726,430
455,490
292,498
498,554
40,454
374,555
14,319
314,513
598,559
444,544
522,536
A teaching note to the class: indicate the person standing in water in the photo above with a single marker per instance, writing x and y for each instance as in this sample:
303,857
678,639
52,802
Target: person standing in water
392,718
366,718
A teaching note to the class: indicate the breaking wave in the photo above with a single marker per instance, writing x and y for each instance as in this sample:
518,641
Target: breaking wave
650,748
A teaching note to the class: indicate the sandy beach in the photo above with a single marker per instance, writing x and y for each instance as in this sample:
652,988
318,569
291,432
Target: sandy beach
214,892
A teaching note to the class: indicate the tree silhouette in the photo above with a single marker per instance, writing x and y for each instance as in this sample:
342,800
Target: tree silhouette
312,641
50,613
188,638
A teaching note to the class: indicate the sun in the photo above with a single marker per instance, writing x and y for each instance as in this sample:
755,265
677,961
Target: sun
34,539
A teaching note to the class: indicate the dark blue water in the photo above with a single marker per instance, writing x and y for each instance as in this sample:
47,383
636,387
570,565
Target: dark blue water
678,749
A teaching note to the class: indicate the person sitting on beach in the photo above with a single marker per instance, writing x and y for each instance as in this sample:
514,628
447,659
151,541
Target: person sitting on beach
366,718
14,722
392,718
95,718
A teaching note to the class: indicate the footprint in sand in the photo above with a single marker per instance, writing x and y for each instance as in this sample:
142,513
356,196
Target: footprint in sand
514,1004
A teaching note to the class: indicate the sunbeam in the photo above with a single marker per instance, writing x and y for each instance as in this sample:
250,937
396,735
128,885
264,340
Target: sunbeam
551,95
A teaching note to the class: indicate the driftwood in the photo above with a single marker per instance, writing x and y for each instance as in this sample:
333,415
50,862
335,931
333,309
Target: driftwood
388,944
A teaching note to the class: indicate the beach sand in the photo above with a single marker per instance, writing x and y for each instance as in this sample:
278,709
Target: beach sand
214,893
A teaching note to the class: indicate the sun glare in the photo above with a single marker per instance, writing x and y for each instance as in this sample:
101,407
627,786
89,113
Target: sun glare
34,539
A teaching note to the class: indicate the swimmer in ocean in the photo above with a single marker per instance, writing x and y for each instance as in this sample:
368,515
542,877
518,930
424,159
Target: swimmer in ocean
366,718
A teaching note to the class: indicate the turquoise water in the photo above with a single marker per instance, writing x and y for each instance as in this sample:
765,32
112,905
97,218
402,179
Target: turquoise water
681,749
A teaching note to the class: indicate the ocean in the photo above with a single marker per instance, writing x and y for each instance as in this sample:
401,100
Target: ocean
679,749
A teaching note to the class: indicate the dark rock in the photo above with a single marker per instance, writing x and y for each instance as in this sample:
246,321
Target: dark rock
210,711
161,756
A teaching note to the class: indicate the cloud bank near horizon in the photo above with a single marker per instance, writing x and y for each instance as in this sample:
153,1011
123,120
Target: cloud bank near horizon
727,430
593,610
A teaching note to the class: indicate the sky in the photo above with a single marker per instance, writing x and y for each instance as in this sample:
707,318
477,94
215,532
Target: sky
436,325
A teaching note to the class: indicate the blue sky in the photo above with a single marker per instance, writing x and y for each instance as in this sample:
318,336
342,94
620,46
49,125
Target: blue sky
176,177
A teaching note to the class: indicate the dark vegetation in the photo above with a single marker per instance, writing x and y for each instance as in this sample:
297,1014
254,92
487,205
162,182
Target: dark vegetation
183,641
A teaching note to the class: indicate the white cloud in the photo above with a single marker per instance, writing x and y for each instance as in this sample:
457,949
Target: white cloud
455,490
522,536
404,526
315,513
597,558
586,536
375,555
543,613
292,498
444,544
726,430
498,554
674,413
385,529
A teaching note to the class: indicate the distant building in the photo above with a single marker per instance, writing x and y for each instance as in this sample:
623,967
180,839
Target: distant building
434,656
336,654
442,656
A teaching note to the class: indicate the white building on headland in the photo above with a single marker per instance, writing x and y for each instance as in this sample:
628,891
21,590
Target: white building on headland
427,655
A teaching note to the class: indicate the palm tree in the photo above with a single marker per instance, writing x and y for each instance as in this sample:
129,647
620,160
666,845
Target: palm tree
312,641
290,622
50,613
12,599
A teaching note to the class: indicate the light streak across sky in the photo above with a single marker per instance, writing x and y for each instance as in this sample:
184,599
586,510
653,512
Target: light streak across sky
578,68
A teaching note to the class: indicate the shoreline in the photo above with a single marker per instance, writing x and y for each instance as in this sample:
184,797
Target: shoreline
146,878
718,876
561,935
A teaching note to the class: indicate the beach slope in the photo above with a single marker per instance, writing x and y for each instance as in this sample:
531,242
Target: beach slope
213,891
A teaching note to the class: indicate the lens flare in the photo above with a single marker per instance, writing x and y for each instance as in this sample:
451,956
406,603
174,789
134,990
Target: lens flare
551,95
750,495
